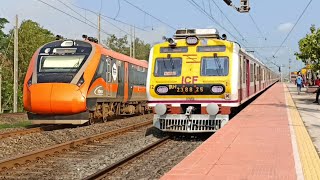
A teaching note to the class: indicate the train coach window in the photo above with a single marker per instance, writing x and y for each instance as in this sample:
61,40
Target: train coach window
214,66
168,67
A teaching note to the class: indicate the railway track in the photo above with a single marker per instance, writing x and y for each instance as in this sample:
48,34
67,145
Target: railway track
28,131
105,171
37,155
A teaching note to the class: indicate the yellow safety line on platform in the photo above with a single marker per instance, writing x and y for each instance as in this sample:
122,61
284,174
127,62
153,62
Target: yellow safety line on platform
308,155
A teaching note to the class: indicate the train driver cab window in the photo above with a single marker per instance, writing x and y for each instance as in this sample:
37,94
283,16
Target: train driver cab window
60,63
214,66
168,67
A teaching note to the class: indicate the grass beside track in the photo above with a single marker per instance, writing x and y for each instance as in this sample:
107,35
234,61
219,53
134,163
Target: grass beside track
15,125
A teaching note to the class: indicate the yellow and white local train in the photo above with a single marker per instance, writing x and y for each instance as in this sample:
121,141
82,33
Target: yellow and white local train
197,78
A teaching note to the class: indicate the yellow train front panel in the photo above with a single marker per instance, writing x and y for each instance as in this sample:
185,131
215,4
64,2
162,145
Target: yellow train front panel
193,83
182,73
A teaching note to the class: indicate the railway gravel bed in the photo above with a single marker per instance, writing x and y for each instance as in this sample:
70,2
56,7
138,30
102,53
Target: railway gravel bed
5,130
157,162
14,146
85,160
10,118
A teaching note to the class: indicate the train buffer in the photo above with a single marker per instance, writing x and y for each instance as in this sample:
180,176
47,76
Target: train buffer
269,139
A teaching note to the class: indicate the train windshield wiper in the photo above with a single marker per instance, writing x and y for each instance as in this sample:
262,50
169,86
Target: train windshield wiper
217,61
172,64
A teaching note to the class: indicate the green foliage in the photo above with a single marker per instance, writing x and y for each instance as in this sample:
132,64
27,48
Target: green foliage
16,125
31,36
142,49
122,45
119,45
309,47
3,36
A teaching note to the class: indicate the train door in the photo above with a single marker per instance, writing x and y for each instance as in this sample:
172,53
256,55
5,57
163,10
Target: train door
259,77
254,78
248,78
120,73
126,83
108,77
132,79
240,75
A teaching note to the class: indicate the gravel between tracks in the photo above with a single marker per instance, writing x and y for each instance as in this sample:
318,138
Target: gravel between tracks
22,144
11,118
157,162
85,160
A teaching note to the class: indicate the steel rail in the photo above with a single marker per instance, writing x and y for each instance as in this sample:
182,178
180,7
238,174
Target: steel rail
27,131
36,155
105,171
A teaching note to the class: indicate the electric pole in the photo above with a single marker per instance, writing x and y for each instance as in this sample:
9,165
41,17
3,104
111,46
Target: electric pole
99,27
134,42
15,69
130,41
289,70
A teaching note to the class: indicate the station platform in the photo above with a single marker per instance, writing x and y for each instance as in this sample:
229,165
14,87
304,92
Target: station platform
266,140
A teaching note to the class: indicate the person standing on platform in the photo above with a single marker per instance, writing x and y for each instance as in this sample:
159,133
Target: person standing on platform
317,83
299,82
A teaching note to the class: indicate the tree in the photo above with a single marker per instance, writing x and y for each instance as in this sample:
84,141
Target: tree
3,36
119,45
122,46
309,48
31,37
142,49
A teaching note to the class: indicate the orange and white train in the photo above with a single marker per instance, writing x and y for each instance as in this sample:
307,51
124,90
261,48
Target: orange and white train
197,78
80,81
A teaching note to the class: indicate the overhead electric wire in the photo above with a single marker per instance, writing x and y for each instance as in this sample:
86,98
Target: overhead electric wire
116,26
77,13
292,28
229,20
108,17
92,22
119,7
150,15
73,17
256,25
211,17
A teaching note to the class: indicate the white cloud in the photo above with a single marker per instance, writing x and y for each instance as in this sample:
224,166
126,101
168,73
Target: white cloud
285,27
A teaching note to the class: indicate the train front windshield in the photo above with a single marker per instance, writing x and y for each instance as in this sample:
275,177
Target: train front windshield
60,63
168,67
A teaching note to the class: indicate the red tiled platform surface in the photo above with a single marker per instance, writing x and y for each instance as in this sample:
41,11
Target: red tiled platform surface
256,144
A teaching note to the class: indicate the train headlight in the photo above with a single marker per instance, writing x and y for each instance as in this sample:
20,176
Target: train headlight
81,81
162,89
160,109
30,81
212,109
217,89
192,40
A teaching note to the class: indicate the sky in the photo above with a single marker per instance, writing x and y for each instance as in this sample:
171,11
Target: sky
274,19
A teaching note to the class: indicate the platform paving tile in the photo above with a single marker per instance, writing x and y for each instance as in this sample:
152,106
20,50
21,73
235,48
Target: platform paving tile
256,144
